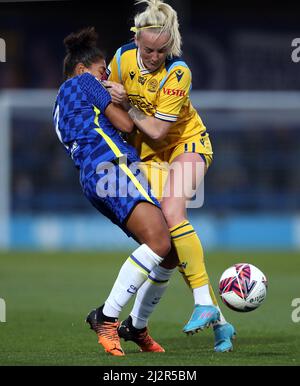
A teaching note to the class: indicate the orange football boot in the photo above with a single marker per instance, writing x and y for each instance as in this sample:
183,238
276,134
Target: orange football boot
107,331
139,336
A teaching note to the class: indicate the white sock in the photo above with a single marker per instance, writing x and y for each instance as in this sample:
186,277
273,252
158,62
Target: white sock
222,319
202,296
149,295
132,275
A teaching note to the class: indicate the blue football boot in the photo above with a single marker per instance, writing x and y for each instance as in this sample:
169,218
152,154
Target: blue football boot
224,334
202,316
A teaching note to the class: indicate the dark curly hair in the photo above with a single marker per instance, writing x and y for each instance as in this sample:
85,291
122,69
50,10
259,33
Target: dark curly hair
81,47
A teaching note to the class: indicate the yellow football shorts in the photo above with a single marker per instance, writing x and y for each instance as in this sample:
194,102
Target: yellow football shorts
156,168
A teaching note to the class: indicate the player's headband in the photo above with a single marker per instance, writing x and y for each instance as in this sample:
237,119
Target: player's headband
136,29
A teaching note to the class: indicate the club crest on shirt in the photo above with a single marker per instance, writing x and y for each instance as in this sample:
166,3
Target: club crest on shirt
179,75
142,80
153,85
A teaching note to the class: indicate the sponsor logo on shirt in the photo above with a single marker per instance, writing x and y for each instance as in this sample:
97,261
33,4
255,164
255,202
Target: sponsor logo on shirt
141,103
169,91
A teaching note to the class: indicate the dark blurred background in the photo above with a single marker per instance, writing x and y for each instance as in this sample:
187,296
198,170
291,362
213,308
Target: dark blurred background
230,48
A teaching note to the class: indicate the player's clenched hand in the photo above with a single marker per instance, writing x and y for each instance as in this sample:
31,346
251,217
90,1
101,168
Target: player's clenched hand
117,92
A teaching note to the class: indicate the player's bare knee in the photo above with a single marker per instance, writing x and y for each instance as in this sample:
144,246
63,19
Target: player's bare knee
160,243
162,249
165,246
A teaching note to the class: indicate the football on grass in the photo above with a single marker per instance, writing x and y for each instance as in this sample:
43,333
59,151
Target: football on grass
243,287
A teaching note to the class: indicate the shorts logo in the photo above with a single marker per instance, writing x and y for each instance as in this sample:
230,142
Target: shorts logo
142,80
132,75
169,91
152,85
179,75
183,265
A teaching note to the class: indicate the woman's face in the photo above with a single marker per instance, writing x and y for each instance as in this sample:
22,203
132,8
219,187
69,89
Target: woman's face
97,69
153,48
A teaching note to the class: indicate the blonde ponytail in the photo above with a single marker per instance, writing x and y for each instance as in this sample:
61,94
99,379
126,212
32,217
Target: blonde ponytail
163,18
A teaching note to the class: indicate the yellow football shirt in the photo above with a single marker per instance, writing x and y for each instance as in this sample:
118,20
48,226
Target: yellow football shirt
163,94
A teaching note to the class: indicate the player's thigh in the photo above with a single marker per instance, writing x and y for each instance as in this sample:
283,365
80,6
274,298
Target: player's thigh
149,226
185,176
186,173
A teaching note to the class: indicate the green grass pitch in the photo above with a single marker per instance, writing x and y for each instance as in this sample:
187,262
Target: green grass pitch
48,295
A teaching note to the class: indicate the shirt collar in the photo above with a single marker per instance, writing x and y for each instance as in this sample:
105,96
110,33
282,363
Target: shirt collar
143,69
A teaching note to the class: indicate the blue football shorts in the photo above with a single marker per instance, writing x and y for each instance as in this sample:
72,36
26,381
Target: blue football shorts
116,187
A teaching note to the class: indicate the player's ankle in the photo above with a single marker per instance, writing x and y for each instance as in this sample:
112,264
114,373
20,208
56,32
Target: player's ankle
101,317
136,324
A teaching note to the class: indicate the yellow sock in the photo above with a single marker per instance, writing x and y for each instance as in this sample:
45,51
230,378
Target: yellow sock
190,254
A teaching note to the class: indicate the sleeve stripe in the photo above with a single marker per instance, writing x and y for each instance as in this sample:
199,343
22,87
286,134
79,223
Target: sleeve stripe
167,115
118,57
163,117
166,120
